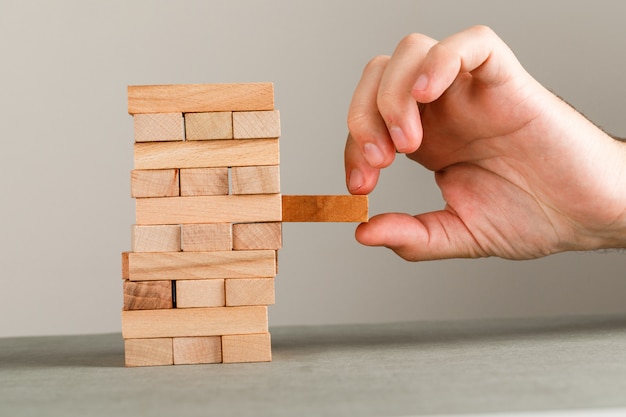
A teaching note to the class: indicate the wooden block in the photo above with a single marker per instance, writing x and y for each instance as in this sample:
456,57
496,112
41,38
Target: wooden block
256,124
203,181
247,348
207,237
206,153
249,292
148,352
187,322
159,127
197,350
154,183
194,98
200,293
212,125
256,179
158,238
125,273
147,295
209,209
255,236
325,208
146,266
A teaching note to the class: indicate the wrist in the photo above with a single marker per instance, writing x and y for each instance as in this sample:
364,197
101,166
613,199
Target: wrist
621,227
615,231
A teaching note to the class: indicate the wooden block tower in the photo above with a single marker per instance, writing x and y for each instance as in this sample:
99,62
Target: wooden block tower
209,215
200,274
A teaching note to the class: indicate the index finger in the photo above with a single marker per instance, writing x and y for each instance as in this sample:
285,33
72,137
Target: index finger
369,147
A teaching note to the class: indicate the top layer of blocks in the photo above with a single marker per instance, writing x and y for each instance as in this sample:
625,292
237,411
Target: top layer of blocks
203,112
195,98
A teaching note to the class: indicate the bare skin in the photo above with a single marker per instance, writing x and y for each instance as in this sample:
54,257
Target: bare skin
523,174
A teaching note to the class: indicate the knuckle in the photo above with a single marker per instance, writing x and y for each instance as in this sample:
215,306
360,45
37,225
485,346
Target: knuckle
387,101
386,97
358,123
379,61
413,39
406,254
482,31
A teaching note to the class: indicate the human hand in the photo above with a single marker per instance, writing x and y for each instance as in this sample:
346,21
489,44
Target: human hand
523,174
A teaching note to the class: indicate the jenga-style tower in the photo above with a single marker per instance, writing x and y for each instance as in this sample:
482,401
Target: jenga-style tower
209,216
201,271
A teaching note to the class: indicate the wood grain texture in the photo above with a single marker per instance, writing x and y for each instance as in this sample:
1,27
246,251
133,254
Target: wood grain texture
256,179
247,348
150,295
200,293
197,350
249,292
148,352
203,181
207,126
201,265
257,124
194,98
206,153
207,237
154,183
209,209
125,262
325,208
187,322
158,238
159,127
255,236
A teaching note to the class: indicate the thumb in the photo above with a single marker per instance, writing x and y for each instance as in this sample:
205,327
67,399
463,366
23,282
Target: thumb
428,236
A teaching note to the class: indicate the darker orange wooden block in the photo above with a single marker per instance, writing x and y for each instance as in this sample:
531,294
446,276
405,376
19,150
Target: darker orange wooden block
325,208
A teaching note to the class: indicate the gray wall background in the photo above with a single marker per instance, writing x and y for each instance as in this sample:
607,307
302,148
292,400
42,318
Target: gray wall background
67,150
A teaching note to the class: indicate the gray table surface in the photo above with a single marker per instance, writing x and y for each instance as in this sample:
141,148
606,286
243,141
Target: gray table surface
368,370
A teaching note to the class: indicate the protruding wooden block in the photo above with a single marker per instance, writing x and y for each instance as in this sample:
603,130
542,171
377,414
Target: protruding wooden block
200,293
247,348
255,236
325,208
209,125
148,352
207,237
249,292
154,183
159,127
209,209
146,266
192,98
256,124
197,350
203,181
150,295
157,238
206,153
186,322
125,263
256,179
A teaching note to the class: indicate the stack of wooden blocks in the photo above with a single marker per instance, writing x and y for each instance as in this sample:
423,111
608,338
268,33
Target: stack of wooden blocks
200,275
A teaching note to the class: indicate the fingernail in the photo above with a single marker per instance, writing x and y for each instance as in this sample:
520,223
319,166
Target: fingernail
373,155
399,138
421,83
355,180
